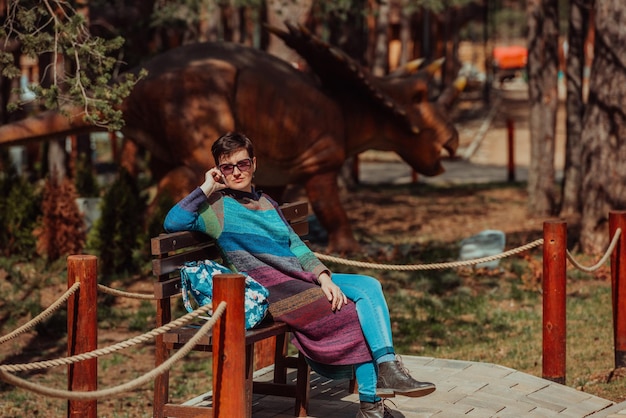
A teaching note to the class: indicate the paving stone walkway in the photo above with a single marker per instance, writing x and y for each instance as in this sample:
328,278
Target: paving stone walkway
464,389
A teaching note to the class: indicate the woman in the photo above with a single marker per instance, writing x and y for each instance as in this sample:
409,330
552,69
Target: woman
340,321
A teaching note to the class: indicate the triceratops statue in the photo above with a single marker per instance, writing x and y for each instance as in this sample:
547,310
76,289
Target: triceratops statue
304,126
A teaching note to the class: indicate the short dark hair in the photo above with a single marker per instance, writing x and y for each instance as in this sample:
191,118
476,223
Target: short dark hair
229,143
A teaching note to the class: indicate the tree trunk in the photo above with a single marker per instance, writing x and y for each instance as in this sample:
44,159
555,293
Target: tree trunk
454,20
209,25
571,201
380,66
447,31
57,159
543,99
405,38
231,22
604,128
349,32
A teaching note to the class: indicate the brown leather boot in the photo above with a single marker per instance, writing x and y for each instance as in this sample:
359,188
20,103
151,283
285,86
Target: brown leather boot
374,410
394,379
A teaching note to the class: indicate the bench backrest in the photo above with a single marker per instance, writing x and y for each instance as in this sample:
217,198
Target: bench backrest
171,251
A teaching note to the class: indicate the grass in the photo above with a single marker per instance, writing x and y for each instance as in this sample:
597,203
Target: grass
492,316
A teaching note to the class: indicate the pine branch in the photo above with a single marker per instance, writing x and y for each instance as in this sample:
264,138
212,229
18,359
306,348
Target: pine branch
55,27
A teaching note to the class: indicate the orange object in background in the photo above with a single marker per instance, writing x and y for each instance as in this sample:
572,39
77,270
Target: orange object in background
510,57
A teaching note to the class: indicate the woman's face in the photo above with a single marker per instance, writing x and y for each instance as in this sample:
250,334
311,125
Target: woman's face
238,169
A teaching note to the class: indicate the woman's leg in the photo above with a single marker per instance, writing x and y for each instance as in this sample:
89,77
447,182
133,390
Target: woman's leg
366,377
371,404
371,307
392,378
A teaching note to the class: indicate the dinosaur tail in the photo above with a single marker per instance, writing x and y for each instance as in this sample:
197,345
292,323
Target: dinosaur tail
44,126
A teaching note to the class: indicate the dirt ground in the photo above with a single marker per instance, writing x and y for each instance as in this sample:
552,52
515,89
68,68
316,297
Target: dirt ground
387,223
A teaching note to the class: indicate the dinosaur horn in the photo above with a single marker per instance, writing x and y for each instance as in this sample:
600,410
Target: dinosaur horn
412,66
460,83
434,66
407,69
450,94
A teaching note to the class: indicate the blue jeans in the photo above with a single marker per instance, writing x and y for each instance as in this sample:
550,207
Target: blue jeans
371,307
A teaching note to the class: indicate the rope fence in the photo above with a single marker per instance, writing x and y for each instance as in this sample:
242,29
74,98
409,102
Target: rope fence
42,316
472,262
600,263
433,266
115,292
125,387
6,370
40,365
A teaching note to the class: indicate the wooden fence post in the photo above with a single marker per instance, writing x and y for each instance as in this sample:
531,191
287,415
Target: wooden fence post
617,219
554,318
511,149
229,348
82,332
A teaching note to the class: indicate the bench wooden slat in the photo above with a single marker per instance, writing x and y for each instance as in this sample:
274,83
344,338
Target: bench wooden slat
166,243
295,210
184,334
168,288
180,411
300,227
171,264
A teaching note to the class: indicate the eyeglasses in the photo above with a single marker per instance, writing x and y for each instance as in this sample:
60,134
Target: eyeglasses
243,166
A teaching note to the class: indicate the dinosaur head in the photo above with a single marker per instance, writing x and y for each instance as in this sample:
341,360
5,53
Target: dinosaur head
425,129
413,126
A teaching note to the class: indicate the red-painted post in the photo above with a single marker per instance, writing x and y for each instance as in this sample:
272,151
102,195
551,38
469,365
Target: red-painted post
229,348
617,219
355,172
511,149
82,332
554,329
115,152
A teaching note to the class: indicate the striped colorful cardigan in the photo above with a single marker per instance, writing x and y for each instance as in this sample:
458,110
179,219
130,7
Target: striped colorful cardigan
255,238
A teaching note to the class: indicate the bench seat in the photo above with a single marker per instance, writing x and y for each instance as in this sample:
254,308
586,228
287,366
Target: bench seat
177,338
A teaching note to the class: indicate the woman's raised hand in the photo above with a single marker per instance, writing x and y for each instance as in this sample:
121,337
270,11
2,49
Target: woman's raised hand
213,181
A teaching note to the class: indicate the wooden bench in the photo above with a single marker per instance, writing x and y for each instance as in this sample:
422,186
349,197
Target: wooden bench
169,252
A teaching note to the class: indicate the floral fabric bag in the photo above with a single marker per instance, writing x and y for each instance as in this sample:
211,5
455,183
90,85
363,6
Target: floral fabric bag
197,279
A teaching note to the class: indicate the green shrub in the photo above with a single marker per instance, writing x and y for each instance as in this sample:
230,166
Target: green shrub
160,208
117,234
85,179
18,211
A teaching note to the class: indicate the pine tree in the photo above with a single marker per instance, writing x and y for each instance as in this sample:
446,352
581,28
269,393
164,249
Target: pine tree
62,230
19,211
117,234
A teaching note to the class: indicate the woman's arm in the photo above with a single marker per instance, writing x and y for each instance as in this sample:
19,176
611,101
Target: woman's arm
185,215
310,262
307,258
194,213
